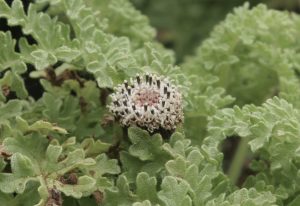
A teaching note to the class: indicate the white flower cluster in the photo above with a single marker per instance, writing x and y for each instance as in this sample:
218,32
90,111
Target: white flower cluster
148,101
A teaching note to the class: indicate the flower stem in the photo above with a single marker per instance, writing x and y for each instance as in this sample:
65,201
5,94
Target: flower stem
238,160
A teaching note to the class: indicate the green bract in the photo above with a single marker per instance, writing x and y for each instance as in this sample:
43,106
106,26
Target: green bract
60,145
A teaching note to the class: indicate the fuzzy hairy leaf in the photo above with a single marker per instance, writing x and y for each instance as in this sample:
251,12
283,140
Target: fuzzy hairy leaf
249,51
272,130
146,154
174,192
28,198
9,58
33,160
146,187
121,195
245,197
144,146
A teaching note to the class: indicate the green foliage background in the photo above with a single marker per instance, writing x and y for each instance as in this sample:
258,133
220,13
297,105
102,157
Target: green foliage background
64,148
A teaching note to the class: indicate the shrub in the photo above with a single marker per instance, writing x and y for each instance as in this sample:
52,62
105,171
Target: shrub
61,145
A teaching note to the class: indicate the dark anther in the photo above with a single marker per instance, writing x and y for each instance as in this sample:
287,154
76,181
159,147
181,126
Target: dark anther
150,80
145,107
163,103
138,79
165,90
168,95
158,84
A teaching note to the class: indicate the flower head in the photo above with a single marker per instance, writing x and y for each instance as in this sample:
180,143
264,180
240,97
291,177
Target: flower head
148,101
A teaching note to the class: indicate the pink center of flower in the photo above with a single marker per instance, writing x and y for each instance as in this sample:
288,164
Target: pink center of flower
145,96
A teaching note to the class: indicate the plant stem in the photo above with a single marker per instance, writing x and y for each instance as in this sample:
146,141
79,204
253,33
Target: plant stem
238,160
